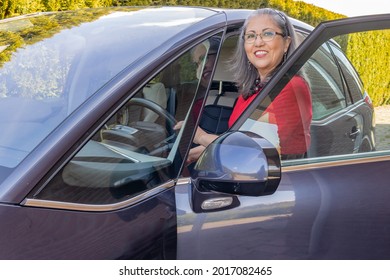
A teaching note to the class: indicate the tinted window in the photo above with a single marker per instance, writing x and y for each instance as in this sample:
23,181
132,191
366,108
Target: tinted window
51,64
337,123
346,120
326,85
138,149
352,78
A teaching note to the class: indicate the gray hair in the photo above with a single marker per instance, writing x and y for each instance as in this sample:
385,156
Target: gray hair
245,72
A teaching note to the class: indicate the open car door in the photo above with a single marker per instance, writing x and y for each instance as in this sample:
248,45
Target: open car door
333,204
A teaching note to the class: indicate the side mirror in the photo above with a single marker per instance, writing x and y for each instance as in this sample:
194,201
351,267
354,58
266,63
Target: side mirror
238,163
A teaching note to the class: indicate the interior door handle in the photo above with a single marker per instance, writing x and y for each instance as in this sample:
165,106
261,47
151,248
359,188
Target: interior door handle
355,132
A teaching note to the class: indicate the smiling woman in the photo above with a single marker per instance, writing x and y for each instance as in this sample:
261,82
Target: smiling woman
267,40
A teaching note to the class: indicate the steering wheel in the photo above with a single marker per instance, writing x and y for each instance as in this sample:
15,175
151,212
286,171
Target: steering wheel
131,134
160,111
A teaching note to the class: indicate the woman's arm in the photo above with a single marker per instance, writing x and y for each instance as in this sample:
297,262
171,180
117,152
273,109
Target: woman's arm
203,138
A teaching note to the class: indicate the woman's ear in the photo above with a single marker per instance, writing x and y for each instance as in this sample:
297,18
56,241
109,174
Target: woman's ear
287,44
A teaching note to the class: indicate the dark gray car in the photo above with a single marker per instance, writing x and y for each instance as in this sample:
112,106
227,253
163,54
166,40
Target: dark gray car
91,166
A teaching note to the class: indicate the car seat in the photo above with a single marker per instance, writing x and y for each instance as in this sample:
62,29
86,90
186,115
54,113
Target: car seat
156,93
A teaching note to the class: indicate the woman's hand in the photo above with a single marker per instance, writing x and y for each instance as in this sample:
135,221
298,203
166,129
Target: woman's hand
178,125
195,153
202,138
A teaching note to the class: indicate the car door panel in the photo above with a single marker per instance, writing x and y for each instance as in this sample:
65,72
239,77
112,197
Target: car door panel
257,229
357,211
143,231
314,214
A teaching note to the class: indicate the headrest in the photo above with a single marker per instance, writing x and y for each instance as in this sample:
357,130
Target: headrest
222,71
156,93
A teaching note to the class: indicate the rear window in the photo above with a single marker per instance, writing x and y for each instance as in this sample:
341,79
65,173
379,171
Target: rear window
352,78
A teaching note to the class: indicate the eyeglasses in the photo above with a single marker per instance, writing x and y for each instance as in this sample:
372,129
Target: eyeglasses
266,36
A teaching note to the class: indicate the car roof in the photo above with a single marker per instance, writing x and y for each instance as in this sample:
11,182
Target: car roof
116,27
155,15
141,28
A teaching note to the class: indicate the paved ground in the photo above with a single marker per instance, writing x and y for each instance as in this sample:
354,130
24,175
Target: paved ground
382,116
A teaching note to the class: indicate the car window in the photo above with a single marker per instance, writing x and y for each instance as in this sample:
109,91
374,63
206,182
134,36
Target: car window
334,115
143,144
325,82
355,86
52,63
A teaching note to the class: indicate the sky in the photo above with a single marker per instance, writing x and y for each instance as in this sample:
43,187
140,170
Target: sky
353,7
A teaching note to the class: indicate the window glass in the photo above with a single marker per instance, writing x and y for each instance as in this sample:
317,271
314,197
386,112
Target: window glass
223,91
295,120
142,145
326,84
336,117
352,78
284,119
51,63
365,63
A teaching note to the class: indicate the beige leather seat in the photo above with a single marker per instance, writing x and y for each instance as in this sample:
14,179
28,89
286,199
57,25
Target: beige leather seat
154,92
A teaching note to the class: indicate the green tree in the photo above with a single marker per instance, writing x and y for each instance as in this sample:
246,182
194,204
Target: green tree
368,51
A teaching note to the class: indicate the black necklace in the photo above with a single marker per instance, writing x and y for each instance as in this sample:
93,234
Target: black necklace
255,88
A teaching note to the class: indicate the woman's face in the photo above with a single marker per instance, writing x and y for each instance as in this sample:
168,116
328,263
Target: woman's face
265,56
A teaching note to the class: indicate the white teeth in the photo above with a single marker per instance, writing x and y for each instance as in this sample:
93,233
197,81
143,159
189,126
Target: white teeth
260,52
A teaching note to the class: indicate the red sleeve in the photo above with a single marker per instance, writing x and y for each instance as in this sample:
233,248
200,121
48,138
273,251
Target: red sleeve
196,108
239,108
291,111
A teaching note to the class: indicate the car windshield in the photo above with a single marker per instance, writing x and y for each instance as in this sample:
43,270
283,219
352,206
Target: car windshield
51,63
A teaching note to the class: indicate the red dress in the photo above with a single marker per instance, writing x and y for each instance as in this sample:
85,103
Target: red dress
291,111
